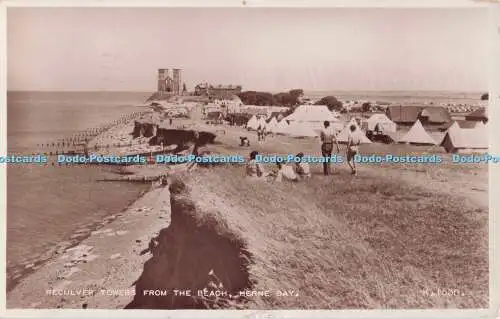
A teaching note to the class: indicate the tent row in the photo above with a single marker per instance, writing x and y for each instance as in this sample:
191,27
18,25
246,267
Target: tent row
309,129
456,139
304,119
307,121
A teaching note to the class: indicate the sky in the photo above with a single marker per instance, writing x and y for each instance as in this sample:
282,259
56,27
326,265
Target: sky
115,49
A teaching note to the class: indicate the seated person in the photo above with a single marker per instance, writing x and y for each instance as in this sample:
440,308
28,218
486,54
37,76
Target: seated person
302,168
285,172
255,169
244,141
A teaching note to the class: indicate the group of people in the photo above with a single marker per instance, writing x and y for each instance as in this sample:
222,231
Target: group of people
301,170
255,169
328,138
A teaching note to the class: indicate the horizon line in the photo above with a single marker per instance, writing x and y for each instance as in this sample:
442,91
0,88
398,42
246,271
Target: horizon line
255,90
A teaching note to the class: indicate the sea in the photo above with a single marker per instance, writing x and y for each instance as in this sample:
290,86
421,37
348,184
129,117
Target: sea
52,207
47,205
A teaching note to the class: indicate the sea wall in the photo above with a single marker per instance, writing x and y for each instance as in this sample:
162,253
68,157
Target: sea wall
179,137
182,137
196,252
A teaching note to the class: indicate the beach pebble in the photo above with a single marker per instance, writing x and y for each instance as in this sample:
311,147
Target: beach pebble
29,266
121,232
115,256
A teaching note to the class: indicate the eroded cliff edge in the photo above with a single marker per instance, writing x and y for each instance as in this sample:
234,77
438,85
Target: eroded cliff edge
197,252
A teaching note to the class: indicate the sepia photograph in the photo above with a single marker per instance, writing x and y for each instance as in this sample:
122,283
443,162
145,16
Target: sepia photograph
248,158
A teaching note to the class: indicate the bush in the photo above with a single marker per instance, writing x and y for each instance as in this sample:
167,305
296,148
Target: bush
296,93
257,98
485,97
331,102
291,98
366,107
285,99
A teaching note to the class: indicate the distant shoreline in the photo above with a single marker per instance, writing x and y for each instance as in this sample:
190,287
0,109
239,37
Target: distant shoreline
261,90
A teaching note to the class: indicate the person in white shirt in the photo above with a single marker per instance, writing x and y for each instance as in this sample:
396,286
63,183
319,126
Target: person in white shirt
285,172
328,137
302,168
353,142
254,169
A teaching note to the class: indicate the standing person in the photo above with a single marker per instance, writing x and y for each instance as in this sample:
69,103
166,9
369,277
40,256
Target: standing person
353,142
327,139
259,133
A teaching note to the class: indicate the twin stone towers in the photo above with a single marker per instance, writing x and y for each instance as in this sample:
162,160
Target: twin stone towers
170,82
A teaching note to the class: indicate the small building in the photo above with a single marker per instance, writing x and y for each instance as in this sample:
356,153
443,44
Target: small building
434,115
205,89
238,119
409,114
478,115
460,123
403,115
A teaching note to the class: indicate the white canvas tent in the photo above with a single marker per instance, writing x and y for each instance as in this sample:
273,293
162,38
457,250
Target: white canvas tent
281,127
297,129
313,113
261,122
418,135
385,124
270,127
253,123
459,139
343,136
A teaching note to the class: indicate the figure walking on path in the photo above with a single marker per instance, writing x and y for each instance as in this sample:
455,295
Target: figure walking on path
353,142
327,140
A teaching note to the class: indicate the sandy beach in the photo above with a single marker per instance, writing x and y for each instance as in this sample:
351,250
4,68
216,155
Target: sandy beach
106,264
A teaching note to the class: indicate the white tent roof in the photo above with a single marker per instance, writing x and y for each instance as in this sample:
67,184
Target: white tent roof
253,123
272,124
382,119
481,125
312,113
418,135
472,138
261,122
281,127
343,136
298,129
